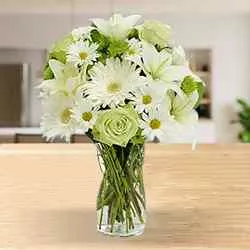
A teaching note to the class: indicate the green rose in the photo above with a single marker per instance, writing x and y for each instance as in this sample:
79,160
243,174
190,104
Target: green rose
116,126
155,32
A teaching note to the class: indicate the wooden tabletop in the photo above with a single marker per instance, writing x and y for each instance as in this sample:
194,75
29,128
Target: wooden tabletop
196,200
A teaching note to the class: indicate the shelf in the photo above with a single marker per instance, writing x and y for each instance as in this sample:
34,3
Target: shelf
203,73
205,101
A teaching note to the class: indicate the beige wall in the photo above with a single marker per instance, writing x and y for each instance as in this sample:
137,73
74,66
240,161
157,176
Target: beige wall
142,6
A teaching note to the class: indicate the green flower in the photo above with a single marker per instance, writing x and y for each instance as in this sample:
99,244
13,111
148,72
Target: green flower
116,126
155,32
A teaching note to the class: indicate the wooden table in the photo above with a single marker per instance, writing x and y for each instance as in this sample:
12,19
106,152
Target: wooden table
196,199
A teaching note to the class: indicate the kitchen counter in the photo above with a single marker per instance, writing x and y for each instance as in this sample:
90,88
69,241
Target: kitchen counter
20,130
197,200
205,131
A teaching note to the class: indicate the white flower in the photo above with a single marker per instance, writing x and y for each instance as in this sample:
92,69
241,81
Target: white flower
146,98
179,56
154,62
82,53
81,33
57,120
155,32
159,68
183,109
183,119
173,121
84,114
111,84
134,52
117,26
66,79
155,123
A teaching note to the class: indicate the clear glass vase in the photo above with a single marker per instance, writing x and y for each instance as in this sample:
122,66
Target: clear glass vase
121,196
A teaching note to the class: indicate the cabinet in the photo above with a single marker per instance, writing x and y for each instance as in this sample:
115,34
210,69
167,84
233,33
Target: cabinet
200,63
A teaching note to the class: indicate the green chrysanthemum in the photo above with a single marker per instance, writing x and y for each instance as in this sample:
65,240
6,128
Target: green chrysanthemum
116,126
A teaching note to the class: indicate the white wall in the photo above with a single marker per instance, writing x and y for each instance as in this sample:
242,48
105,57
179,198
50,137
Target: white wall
228,37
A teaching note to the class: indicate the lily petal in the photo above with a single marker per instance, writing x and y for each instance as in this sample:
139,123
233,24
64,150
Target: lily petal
56,67
132,20
176,73
182,106
155,62
188,118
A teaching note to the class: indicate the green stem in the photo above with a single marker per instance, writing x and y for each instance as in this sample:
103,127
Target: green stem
101,216
122,184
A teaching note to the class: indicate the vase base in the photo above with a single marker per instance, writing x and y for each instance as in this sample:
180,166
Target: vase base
120,230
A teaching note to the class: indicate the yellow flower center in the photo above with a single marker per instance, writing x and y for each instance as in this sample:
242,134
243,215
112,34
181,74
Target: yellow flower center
146,99
83,55
87,116
114,87
155,124
66,115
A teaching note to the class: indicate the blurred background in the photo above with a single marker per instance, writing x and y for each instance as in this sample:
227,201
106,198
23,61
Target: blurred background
215,34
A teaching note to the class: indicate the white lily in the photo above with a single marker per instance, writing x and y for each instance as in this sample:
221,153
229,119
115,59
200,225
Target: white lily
183,119
179,59
158,67
66,79
117,26
179,56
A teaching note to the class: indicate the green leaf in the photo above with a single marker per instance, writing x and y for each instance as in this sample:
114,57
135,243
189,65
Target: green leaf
47,73
243,104
62,45
58,50
138,138
58,55
245,136
100,39
189,85
133,34
201,90
244,120
117,47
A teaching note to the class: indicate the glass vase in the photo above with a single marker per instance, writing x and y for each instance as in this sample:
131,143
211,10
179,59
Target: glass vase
121,196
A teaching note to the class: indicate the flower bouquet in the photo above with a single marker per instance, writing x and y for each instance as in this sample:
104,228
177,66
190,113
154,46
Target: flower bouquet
122,84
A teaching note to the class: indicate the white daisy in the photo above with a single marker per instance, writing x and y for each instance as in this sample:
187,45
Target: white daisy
57,120
81,33
111,84
82,53
84,114
146,98
117,26
134,52
155,123
66,79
